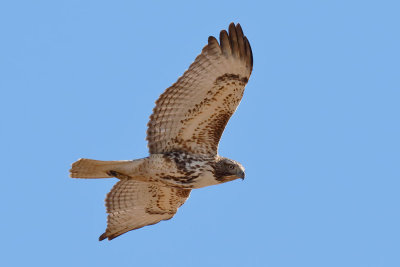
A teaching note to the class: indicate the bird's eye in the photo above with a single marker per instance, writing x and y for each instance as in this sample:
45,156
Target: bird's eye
231,167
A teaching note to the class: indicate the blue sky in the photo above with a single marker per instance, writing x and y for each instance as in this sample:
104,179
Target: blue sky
317,130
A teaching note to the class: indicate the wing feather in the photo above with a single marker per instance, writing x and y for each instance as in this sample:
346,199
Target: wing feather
132,204
191,115
234,41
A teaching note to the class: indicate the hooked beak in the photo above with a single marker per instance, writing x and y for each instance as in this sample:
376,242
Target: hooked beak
241,175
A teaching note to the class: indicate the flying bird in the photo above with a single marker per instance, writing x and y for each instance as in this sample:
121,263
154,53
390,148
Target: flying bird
183,135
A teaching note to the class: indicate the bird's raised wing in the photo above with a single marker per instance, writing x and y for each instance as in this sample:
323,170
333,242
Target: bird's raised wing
192,114
133,204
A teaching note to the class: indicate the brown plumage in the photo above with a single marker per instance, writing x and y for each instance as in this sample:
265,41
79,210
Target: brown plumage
183,135
192,114
132,204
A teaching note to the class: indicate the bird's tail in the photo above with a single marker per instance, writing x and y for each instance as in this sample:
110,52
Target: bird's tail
90,168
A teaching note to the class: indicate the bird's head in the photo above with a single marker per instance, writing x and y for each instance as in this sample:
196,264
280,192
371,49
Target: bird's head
228,170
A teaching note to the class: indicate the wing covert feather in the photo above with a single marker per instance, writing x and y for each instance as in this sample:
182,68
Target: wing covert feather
191,115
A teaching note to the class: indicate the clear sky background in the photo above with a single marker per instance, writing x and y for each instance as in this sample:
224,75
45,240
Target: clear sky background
317,130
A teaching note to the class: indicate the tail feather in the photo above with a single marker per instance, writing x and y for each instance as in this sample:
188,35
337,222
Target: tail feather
90,168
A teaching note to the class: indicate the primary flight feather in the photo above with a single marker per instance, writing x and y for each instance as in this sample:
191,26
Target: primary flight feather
183,135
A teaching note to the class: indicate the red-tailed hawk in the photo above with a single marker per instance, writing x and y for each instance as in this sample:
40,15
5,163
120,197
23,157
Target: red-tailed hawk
183,135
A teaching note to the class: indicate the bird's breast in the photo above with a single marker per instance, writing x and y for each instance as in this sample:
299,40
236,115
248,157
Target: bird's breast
181,170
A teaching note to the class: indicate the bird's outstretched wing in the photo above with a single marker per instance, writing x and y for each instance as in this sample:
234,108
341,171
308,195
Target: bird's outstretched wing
133,204
192,114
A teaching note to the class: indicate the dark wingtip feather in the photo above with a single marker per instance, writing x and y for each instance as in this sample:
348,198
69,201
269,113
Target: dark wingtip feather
234,40
236,44
102,237
211,39
239,29
213,46
240,40
249,53
213,43
224,43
